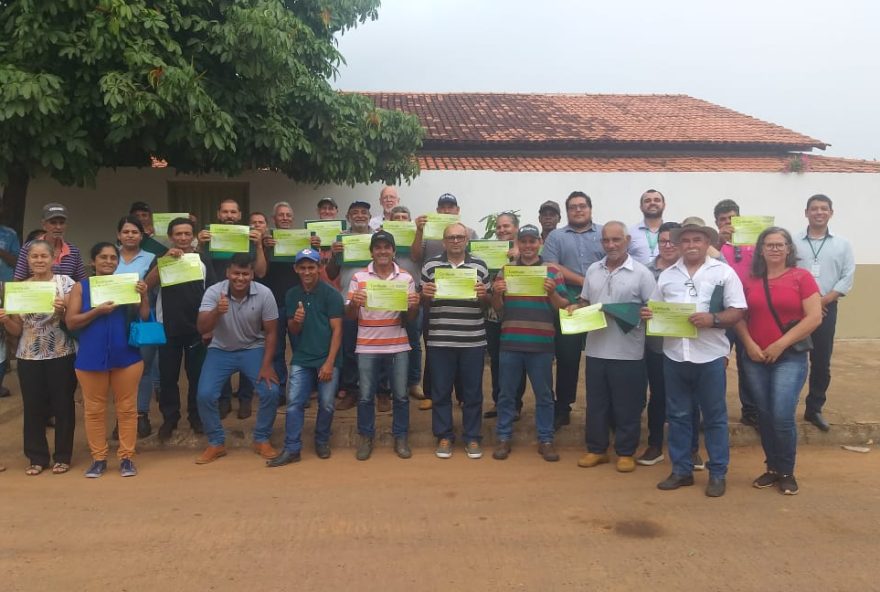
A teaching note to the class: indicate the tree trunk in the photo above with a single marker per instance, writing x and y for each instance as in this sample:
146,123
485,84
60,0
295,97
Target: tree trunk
14,200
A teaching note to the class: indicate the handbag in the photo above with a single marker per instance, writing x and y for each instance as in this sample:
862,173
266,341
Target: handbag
150,332
805,344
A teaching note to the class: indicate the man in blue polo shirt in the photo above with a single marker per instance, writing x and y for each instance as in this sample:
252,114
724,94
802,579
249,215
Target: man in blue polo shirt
242,316
315,311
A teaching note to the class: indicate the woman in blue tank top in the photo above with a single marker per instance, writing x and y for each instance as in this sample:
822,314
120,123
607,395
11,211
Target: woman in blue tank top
105,361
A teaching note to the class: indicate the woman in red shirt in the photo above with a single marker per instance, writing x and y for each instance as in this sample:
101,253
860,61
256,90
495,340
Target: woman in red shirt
776,372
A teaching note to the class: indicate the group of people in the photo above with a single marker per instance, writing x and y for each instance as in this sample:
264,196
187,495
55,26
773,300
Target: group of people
764,300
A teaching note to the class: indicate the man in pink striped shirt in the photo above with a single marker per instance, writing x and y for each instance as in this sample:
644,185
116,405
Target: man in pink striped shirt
382,336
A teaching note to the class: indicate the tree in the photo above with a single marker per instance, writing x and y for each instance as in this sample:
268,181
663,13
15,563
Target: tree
210,86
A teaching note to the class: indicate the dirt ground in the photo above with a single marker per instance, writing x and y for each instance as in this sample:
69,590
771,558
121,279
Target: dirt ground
426,524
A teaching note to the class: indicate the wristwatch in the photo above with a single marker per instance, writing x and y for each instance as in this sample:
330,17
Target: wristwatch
716,322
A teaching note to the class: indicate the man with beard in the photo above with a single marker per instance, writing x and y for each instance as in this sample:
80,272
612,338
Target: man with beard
644,246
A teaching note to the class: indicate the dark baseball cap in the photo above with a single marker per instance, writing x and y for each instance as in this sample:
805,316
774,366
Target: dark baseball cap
528,230
447,198
54,210
550,204
328,200
359,204
140,206
382,235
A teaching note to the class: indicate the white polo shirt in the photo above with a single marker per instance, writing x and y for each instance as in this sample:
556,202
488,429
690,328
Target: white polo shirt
673,286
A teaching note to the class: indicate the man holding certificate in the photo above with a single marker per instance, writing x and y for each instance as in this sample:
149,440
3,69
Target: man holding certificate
694,367
529,293
615,366
454,287
382,298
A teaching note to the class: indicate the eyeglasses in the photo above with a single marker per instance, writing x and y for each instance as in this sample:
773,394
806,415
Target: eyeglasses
775,246
578,207
455,238
666,243
692,290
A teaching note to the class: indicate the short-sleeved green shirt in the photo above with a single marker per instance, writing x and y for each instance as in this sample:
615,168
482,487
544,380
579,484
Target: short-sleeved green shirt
313,342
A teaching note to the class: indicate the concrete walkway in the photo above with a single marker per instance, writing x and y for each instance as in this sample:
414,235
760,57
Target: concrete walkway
853,410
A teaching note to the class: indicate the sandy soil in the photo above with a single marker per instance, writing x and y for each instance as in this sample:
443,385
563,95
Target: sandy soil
426,524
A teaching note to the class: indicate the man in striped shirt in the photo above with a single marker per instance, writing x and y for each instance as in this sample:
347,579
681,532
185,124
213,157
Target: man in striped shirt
527,341
456,344
381,336
68,260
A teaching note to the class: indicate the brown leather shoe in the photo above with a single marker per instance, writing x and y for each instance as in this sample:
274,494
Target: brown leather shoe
426,404
211,454
383,403
346,402
265,450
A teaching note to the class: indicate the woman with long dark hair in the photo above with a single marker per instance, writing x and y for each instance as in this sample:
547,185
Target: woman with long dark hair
784,308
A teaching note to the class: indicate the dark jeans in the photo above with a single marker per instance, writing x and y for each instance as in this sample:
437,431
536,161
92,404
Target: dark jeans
615,393
568,368
414,372
778,387
493,345
657,404
820,360
746,393
348,381
47,388
464,366
688,384
191,349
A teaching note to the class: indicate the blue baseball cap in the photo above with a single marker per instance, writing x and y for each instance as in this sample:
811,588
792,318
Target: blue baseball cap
309,254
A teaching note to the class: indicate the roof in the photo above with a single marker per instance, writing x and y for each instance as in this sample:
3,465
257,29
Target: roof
462,120
680,163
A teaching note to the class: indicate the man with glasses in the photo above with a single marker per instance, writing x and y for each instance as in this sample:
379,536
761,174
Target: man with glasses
456,344
644,247
829,257
574,247
388,200
694,368
739,257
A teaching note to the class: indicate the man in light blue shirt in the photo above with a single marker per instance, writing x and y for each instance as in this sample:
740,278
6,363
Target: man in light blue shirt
574,247
9,247
645,234
829,257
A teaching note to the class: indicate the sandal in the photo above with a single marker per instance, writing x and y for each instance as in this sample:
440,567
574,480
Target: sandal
33,470
59,468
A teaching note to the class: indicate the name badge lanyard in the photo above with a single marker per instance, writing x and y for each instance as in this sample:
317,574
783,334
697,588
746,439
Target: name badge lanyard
652,244
815,266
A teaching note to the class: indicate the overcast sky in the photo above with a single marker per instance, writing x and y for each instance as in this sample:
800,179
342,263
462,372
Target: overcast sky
805,65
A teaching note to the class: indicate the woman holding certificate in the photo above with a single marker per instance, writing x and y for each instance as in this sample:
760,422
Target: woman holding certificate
784,308
34,309
101,308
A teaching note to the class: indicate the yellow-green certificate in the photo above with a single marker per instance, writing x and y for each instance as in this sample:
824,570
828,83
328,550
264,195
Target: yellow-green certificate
356,249
747,228
173,271
493,252
161,221
436,224
230,238
587,318
30,297
289,242
387,295
404,232
671,319
326,230
525,280
118,289
455,284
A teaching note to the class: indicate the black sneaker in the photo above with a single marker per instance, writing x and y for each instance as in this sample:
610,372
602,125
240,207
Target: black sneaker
165,431
651,456
699,463
788,485
674,481
144,428
768,479
322,450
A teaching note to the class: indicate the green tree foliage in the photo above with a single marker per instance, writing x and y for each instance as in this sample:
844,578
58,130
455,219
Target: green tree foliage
208,85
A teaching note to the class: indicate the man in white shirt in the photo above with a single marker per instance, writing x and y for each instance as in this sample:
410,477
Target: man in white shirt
694,368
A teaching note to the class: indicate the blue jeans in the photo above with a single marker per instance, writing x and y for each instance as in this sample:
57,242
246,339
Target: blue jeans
777,387
349,378
539,368
657,403
462,366
302,381
219,365
688,384
414,372
368,367
149,379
